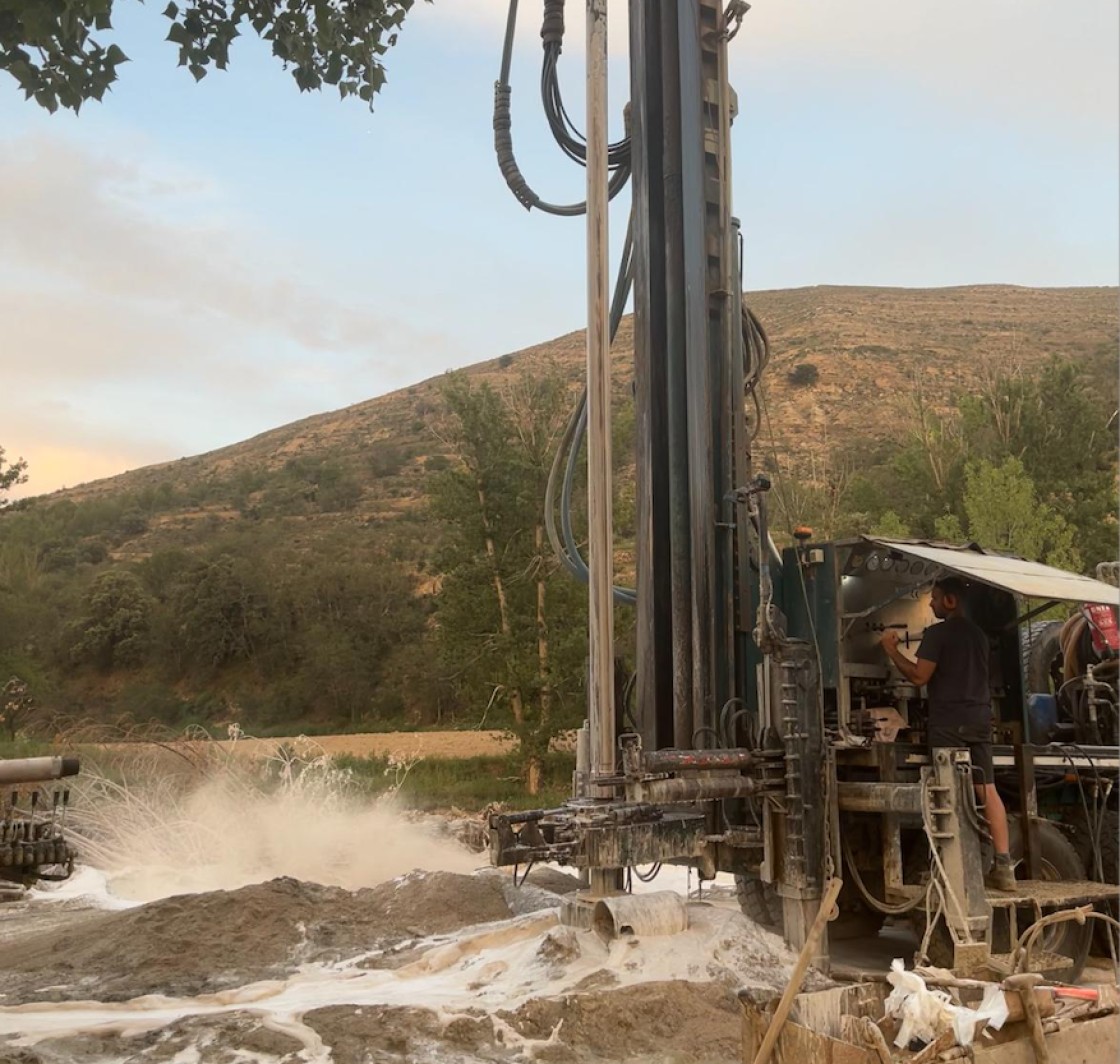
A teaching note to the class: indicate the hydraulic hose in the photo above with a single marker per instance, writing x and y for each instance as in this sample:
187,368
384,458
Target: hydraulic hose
571,142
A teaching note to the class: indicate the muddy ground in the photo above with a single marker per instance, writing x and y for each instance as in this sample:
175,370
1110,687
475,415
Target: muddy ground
440,967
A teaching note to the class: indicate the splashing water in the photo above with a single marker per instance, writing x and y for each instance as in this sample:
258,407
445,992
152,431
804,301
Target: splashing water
162,824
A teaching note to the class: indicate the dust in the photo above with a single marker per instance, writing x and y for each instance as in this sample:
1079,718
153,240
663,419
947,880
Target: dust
236,822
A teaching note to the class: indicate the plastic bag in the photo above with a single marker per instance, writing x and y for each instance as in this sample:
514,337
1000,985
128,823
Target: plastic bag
925,1013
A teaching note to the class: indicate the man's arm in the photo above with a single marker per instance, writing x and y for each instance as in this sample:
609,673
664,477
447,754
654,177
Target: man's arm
917,672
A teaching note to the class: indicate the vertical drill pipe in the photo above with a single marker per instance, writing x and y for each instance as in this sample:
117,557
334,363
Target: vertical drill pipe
702,514
725,315
742,473
654,635
676,384
601,580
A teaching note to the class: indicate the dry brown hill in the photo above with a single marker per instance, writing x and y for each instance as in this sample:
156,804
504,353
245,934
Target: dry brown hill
868,346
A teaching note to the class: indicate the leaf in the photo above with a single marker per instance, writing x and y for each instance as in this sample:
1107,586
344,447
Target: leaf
171,10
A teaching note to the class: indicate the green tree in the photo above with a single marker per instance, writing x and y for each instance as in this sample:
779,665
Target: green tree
114,628
49,46
218,610
1050,421
1004,513
1057,427
16,473
512,627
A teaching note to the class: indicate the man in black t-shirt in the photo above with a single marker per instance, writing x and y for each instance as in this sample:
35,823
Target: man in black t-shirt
952,664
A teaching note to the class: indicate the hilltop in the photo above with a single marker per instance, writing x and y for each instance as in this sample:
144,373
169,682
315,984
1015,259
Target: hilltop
867,346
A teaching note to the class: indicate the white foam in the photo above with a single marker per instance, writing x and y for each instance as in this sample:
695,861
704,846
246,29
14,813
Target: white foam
491,967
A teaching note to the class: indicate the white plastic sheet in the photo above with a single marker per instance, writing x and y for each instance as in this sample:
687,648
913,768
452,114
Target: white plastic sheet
926,1013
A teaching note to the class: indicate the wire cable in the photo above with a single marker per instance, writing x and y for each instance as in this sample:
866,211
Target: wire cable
564,542
618,157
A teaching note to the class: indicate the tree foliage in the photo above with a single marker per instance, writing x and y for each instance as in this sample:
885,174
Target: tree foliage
16,473
114,627
57,52
1004,513
1025,463
512,627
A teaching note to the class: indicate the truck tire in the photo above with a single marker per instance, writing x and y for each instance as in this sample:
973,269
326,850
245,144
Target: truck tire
759,902
1110,863
1059,862
1043,658
1074,818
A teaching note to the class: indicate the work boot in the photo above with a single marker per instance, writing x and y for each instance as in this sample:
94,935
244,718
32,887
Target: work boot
1001,876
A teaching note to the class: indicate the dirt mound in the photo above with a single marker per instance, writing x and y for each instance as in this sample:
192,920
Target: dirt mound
196,943
677,1021
657,1023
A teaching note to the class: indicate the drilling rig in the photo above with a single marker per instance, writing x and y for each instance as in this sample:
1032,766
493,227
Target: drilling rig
768,737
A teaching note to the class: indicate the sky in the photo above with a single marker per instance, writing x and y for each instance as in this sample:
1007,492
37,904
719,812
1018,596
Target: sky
183,266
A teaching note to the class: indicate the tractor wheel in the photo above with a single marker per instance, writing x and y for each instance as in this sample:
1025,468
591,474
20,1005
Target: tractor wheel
1043,658
759,902
1058,862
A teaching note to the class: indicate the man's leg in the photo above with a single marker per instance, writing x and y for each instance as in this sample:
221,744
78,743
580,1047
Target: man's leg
1002,874
996,815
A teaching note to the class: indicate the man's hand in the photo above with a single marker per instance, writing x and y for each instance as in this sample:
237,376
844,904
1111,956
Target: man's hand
917,672
889,639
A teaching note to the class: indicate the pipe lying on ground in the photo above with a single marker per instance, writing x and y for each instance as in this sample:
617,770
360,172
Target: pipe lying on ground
663,913
37,769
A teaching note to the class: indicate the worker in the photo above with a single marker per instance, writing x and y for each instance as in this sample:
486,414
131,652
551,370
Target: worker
952,664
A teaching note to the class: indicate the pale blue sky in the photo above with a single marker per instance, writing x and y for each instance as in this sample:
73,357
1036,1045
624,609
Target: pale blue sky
183,266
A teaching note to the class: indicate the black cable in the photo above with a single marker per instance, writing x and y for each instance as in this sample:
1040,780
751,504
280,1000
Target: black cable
618,162
1097,823
564,543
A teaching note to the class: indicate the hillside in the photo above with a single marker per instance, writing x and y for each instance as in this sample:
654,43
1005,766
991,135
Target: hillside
290,582
867,344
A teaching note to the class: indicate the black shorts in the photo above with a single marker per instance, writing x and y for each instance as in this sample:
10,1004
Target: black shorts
975,738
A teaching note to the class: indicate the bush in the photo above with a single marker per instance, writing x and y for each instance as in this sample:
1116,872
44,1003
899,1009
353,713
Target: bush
803,375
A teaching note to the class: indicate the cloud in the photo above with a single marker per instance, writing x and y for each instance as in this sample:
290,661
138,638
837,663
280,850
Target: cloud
1028,60
107,226
145,318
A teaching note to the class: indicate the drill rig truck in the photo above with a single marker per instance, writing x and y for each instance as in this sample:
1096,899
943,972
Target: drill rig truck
768,736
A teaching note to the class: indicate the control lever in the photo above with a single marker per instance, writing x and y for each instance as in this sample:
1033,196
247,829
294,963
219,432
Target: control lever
906,640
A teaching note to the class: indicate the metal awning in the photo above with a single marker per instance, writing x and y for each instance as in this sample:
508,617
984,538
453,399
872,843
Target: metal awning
1030,579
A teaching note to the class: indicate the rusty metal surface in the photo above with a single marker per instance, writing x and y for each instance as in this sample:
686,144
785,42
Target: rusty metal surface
677,835
673,760
880,797
1053,895
1088,1042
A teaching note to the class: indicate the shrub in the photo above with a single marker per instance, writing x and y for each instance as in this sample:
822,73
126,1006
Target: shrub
803,375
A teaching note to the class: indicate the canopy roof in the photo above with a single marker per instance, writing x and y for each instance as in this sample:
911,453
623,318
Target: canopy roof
1030,579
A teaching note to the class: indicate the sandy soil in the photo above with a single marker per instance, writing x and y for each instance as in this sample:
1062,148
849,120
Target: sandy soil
440,967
